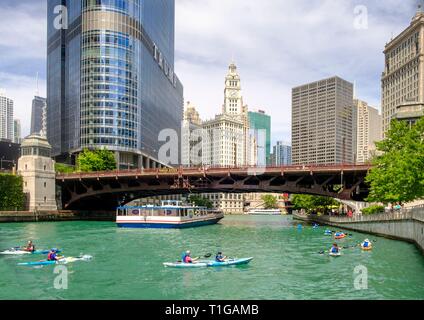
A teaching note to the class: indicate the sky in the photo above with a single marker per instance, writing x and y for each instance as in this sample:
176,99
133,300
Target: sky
276,44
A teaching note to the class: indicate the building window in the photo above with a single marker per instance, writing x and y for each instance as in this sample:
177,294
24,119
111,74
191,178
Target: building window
45,184
45,199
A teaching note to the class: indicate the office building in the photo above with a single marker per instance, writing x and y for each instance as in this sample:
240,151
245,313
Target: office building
17,131
403,76
322,123
368,130
6,117
38,116
191,137
282,154
260,130
110,79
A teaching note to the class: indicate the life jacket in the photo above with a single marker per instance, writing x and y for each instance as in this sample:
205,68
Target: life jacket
366,244
51,256
334,250
219,258
187,259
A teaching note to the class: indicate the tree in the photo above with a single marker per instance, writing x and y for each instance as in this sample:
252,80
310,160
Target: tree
96,160
270,201
312,203
12,196
201,201
63,168
398,172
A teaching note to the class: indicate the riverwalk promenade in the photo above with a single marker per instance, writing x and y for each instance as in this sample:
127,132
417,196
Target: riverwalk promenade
406,224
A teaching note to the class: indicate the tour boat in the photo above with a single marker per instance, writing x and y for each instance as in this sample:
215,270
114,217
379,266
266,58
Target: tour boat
265,212
169,215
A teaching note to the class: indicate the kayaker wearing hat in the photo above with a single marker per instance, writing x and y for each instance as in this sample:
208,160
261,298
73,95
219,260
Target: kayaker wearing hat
220,257
188,259
366,243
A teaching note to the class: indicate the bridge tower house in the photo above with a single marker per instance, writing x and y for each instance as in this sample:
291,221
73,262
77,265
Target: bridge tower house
37,169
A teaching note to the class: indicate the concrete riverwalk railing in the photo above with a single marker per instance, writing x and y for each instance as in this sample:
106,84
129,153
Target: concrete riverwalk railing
405,224
47,216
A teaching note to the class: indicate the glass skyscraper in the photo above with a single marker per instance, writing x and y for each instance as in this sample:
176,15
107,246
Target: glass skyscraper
260,128
282,154
111,80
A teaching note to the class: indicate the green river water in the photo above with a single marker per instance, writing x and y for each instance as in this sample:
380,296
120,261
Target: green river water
127,263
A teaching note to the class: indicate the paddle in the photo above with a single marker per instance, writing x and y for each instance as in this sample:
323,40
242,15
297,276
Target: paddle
208,255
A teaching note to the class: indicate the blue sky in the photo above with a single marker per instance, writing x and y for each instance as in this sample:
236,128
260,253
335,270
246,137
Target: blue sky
276,44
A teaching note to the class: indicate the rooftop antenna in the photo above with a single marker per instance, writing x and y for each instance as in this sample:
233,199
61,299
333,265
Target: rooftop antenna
37,92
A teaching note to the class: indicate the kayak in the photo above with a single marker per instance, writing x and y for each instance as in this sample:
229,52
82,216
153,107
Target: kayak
332,254
328,232
203,264
65,260
340,236
369,248
185,265
22,252
230,262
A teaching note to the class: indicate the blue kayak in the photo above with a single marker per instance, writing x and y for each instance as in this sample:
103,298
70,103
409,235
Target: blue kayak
230,262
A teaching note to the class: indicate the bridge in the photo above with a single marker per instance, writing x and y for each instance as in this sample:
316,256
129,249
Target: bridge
107,190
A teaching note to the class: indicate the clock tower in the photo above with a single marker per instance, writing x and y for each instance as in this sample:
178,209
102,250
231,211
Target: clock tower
233,103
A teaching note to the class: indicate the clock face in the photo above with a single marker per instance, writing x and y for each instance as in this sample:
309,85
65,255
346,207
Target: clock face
233,94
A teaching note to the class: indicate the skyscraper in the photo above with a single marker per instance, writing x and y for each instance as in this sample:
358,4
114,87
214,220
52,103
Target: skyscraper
225,140
191,137
17,131
111,81
260,129
38,115
282,154
368,130
6,117
403,76
322,122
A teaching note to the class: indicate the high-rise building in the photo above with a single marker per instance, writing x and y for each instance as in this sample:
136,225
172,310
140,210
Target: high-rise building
403,76
368,130
38,115
322,122
260,129
282,154
225,138
111,81
17,131
191,137
6,117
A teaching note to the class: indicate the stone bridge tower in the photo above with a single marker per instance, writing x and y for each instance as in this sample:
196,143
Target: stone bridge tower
37,169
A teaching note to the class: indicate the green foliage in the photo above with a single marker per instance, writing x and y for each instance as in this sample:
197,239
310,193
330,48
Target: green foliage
398,173
63,168
12,196
373,210
270,201
313,203
96,160
200,201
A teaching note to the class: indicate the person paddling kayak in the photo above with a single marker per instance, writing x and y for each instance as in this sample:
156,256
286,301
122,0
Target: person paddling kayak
335,249
52,256
188,259
366,244
220,257
30,247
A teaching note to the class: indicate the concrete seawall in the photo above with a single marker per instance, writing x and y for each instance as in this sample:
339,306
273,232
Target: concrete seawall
51,216
407,225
